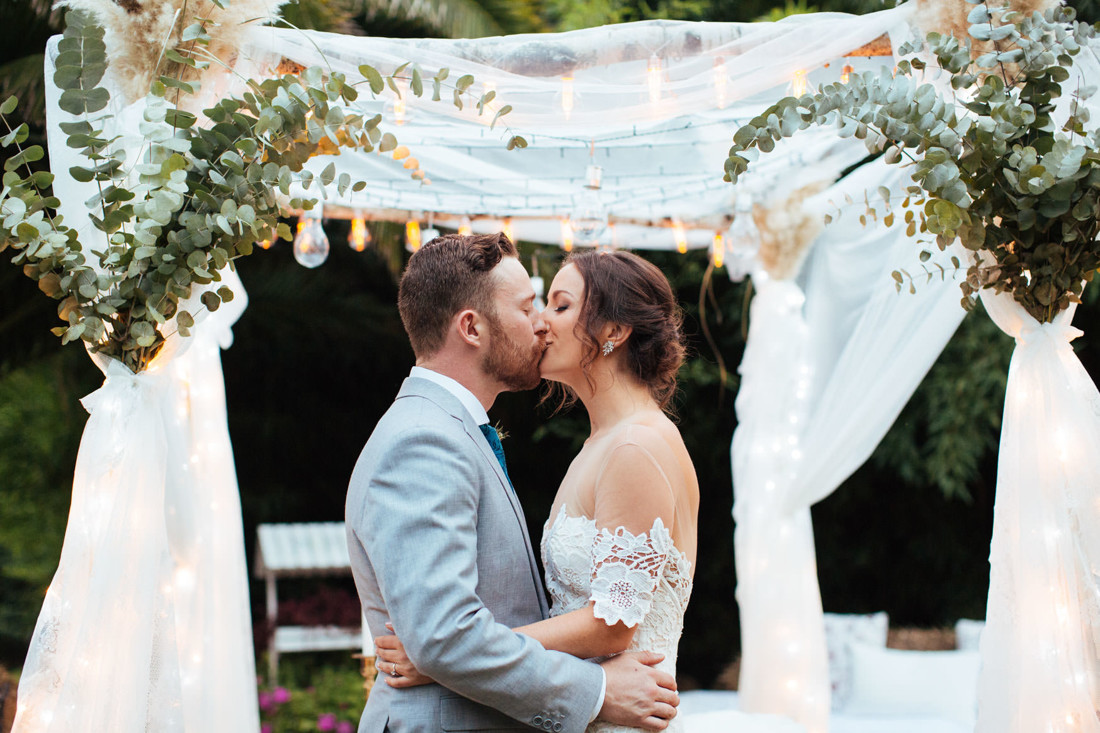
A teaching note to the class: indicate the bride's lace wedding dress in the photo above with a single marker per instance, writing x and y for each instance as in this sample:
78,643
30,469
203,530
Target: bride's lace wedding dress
641,580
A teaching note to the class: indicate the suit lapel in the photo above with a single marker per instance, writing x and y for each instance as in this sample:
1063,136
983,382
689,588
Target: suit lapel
444,399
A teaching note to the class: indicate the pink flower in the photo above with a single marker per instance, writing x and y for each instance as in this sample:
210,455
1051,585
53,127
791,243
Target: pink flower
345,727
266,701
265,728
327,721
281,695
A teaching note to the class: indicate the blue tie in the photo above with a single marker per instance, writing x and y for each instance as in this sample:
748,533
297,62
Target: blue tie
490,434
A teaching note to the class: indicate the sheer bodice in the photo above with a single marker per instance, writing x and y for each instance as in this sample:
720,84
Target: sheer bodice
641,580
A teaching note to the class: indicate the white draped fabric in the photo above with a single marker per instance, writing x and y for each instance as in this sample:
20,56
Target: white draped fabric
823,377
653,103
1041,644
147,623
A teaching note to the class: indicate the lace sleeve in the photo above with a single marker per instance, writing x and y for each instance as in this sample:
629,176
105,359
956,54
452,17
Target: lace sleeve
625,572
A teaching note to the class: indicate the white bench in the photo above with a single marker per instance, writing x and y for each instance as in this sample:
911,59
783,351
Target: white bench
300,551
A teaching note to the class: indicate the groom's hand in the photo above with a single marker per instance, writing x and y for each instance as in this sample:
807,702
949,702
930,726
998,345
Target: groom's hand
638,695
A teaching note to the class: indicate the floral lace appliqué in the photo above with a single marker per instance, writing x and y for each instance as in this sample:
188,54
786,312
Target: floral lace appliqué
625,572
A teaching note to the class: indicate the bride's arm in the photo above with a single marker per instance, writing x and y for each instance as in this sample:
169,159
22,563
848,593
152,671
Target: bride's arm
581,634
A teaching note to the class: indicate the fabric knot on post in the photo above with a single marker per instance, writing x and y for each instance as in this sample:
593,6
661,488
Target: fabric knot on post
1058,334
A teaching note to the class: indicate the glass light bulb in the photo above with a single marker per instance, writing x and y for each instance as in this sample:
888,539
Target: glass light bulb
427,235
311,246
680,236
508,231
567,235
567,95
412,235
359,237
590,217
465,228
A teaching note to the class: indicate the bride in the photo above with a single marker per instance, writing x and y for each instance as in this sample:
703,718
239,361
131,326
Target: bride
620,544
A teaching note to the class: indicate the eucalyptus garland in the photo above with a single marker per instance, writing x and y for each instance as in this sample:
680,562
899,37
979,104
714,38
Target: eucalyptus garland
201,193
990,165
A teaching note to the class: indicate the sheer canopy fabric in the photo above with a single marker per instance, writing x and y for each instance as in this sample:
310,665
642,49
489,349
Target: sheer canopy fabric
661,159
1041,644
823,377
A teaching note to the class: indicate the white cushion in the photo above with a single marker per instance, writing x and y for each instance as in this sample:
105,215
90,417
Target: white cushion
968,633
896,682
841,631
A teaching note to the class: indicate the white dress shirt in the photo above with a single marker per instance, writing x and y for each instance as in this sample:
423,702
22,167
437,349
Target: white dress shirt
481,417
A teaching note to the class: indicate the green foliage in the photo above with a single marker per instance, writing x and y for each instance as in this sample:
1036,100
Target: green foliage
993,170
327,698
567,15
790,7
40,426
203,194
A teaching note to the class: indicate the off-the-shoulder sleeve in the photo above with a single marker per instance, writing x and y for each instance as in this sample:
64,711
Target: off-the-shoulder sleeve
625,571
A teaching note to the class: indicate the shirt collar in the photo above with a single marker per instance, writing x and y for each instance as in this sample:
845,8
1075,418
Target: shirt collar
463,395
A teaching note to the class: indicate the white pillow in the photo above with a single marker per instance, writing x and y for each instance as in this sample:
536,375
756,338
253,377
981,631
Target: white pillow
896,682
841,631
968,633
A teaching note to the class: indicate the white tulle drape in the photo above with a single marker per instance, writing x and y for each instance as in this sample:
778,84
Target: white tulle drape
1041,644
827,368
146,625
653,103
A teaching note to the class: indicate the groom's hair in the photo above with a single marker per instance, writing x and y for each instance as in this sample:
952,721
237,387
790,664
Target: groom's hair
446,275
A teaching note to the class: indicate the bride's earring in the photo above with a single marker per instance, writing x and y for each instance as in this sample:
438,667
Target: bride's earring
608,347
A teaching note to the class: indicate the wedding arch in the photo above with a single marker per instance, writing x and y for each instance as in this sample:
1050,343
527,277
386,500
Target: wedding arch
622,133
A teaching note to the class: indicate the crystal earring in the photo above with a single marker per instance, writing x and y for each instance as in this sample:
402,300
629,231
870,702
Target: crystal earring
608,347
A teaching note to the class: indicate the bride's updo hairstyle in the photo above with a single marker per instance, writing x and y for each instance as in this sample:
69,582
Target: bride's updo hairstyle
621,287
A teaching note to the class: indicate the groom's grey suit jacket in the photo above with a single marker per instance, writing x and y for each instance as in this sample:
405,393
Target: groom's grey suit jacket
439,548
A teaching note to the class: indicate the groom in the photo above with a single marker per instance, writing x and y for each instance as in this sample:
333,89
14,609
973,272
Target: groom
439,546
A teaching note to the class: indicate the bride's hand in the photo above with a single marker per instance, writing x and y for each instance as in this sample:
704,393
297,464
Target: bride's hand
390,659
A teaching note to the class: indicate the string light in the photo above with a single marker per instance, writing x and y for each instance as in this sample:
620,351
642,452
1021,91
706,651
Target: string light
508,231
680,236
567,235
653,77
721,78
265,243
359,237
567,95
590,218
798,83
412,234
846,73
465,228
311,245
400,109
718,250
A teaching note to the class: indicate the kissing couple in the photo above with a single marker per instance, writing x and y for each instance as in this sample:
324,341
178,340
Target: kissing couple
442,560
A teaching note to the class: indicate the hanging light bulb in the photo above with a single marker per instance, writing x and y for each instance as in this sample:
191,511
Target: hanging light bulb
680,236
653,78
412,235
742,240
427,235
359,237
798,83
266,243
718,250
311,246
508,231
721,79
567,95
846,73
590,217
465,228
567,235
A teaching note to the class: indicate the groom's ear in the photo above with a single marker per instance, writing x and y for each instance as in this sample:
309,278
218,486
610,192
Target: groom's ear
470,326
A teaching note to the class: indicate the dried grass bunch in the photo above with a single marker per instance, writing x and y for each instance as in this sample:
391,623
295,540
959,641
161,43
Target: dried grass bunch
786,231
137,32
949,17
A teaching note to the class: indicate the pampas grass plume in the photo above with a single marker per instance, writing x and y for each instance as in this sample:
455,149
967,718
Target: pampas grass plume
137,31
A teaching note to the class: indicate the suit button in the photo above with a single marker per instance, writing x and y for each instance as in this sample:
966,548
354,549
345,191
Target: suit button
547,725
557,727
537,720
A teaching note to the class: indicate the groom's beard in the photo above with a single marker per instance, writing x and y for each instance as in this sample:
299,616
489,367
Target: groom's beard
514,365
